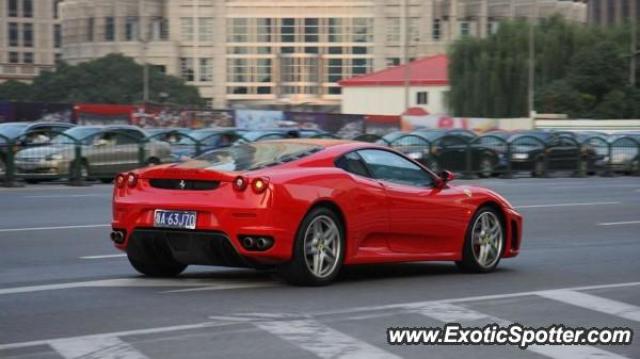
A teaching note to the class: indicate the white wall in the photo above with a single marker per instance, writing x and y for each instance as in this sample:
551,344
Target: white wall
389,100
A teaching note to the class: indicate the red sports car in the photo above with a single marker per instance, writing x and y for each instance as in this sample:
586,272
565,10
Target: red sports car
306,207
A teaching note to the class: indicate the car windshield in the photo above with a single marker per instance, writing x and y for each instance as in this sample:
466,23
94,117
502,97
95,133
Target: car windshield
79,133
252,156
12,130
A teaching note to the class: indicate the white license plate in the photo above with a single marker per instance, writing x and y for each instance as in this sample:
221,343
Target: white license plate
175,219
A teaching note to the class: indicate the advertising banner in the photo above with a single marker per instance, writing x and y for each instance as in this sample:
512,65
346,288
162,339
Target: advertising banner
410,123
258,119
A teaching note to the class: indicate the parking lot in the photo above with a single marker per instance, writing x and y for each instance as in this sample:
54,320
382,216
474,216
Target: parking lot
65,292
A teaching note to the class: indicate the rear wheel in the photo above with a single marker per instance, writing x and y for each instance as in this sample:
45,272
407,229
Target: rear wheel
318,250
154,266
538,168
484,242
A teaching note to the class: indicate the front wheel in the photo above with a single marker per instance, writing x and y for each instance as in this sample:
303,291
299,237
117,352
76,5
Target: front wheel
318,250
484,242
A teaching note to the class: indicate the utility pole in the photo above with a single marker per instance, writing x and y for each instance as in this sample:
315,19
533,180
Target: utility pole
144,41
532,60
404,21
633,47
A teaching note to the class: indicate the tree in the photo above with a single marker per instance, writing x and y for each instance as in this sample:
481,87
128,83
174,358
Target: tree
580,70
13,90
111,79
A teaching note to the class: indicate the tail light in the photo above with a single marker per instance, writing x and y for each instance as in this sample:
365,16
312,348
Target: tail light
120,180
132,180
240,183
259,185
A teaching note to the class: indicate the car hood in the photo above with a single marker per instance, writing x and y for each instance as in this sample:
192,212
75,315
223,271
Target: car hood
44,151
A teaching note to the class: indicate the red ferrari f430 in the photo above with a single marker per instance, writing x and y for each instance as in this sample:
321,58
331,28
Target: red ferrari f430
307,208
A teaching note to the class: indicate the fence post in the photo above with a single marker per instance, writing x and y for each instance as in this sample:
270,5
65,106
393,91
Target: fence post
582,163
198,148
607,167
636,163
468,170
76,168
509,155
545,162
10,167
141,153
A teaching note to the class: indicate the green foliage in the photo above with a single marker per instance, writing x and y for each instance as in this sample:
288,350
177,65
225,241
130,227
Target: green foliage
580,70
111,79
13,90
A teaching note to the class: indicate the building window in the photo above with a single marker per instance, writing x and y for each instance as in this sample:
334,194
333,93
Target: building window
109,28
311,30
334,70
362,30
57,36
287,50
58,58
335,50
335,90
14,36
435,31
27,8
263,70
264,90
336,30
27,57
237,70
56,8
359,50
393,30
238,30
160,28
311,50
422,98
91,22
186,28
287,30
393,61
12,8
27,35
360,66
263,27
492,27
205,29
206,71
464,28
14,57
186,69
131,28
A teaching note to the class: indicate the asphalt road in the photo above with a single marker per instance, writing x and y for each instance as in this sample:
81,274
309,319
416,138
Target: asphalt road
66,293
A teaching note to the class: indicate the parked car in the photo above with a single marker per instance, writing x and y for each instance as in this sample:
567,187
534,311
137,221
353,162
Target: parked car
167,134
529,149
105,151
625,154
206,139
27,134
446,149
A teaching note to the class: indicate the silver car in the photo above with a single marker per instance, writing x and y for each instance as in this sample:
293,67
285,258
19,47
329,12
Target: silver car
104,152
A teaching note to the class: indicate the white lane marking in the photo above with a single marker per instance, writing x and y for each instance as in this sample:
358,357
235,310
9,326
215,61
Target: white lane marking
135,282
578,204
156,330
103,348
449,313
467,299
226,285
53,228
322,341
68,195
618,223
593,302
105,256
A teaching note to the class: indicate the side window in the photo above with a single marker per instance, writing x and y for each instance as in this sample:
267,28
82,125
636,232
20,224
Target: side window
135,134
388,166
352,162
271,137
125,138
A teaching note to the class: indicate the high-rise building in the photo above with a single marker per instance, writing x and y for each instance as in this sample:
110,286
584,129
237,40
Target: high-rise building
609,12
273,53
30,38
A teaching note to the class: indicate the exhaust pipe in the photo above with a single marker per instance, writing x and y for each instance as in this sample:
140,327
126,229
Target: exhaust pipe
262,243
117,237
248,242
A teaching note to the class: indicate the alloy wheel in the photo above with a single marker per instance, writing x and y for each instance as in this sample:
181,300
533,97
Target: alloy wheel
322,246
487,239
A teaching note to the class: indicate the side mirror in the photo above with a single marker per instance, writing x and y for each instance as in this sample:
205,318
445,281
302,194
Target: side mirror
446,176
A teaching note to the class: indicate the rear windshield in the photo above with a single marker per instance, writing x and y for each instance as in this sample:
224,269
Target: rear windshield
253,156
